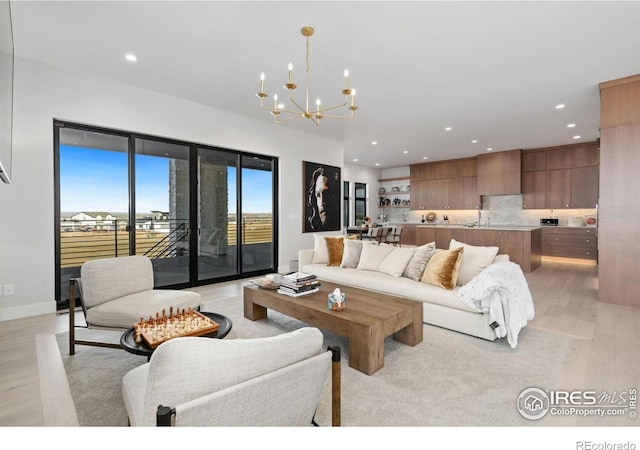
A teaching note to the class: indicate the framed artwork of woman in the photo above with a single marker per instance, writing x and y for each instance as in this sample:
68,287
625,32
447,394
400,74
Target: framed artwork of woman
322,197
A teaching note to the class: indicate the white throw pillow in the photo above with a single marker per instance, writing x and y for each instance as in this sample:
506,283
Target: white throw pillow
373,255
320,251
351,253
396,261
474,260
418,262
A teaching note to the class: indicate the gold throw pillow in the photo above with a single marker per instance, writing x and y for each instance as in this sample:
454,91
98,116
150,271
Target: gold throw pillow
442,269
335,248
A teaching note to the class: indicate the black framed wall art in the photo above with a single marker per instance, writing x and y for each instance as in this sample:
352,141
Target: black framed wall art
322,197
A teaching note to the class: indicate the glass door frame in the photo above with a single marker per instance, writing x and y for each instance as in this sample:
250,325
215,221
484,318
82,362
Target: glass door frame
193,202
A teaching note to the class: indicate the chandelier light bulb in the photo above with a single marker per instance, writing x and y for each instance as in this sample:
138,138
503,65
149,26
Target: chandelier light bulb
262,76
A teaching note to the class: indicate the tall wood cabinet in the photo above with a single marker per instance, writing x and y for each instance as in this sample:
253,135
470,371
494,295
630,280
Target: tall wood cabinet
619,208
561,177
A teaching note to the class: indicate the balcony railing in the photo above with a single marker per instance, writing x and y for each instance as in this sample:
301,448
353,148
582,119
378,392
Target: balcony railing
81,241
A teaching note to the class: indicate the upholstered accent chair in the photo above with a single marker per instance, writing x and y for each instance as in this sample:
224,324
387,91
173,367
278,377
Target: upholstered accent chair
197,381
115,293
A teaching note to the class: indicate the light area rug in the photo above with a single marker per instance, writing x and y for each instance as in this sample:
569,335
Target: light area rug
450,379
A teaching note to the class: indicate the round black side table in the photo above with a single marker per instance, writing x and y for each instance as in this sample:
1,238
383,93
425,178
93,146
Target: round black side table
128,342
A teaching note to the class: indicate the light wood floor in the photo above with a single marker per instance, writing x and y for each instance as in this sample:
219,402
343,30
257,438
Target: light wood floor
604,347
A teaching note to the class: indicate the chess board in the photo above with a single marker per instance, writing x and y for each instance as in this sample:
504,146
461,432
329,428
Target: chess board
155,331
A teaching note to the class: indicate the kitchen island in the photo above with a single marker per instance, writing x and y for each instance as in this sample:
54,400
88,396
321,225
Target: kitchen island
523,244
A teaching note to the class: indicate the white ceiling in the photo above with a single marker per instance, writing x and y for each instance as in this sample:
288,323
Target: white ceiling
493,71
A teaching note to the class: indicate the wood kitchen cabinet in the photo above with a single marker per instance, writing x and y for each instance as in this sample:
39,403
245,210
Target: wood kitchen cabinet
444,235
534,160
571,188
558,188
500,173
419,191
524,247
561,177
445,185
409,233
584,187
469,198
619,209
424,235
534,189
509,242
570,242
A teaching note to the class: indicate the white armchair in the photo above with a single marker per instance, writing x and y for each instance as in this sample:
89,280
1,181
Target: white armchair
116,292
273,381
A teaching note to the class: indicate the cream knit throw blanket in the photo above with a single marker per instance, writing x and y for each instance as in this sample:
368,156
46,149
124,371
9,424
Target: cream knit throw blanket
502,291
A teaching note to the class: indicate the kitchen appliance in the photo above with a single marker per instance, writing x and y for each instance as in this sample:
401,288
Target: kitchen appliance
549,222
575,222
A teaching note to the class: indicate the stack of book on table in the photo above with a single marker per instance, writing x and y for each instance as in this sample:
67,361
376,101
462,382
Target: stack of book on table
299,283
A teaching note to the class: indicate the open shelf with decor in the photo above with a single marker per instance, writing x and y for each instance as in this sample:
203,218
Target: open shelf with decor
394,193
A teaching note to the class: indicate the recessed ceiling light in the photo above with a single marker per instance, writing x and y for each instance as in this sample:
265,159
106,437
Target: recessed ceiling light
377,164
576,137
425,157
560,106
405,152
489,149
474,141
355,159
571,125
130,57
374,142
447,129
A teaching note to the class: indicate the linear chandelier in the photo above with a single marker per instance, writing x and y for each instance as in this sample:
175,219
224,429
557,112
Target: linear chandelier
299,111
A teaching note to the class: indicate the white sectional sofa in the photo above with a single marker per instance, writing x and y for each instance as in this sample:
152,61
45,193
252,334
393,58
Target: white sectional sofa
442,307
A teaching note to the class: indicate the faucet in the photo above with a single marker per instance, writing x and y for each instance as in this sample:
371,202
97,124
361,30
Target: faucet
479,216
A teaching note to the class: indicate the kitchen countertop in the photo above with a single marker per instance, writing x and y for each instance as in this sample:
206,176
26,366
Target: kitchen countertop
492,227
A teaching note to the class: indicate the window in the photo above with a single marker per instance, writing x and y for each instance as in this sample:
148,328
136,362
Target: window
360,202
346,203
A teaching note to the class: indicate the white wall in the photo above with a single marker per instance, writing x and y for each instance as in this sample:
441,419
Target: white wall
43,93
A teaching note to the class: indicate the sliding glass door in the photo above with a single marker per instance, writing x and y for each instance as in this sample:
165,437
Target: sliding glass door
201,214
92,199
162,227
229,243
216,214
257,218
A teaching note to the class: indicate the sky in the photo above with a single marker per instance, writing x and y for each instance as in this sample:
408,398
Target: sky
93,180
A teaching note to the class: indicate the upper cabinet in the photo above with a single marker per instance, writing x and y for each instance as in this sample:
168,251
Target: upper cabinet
561,177
500,173
445,185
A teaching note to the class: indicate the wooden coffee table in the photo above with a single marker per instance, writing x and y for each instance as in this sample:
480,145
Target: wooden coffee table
367,320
